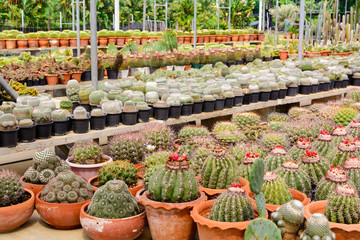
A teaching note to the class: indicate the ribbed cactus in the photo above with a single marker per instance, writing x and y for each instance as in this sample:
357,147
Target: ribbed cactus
87,153
219,170
342,152
276,157
354,130
345,115
352,168
160,136
344,195
298,112
297,151
246,165
11,189
273,139
240,151
103,205
228,137
224,126
315,166
317,226
189,131
246,118
323,144
66,187
156,158
295,177
7,121
119,170
275,189
339,134
198,157
174,182
232,206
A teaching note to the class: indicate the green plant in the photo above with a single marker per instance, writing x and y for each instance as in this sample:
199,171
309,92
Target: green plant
345,115
315,166
323,144
246,164
11,189
156,158
352,168
342,152
297,151
118,170
240,151
111,107
80,113
72,90
246,118
339,134
66,187
96,97
66,104
103,205
87,153
42,115
159,135
22,112
189,131
275,159
318,226
7,121
275,189
26,122
278,117
273,139
59,115
97,112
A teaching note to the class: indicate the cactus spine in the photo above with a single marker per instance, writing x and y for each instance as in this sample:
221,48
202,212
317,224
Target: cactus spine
275,159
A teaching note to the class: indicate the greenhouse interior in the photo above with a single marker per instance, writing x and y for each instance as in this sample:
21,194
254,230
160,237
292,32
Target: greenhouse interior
180,120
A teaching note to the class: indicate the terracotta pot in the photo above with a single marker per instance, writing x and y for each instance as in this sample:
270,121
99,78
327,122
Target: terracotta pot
235,38
66,78
87,171
246,37
10,43
22,43
133,190
33,43
103,41
342,231
212,38
160,214
215,230
112,40
60,215
43,42
213,193
187,67
52,79
187,39
144,40
54,43
35,188
120,41
206,38
252,37
325,53
283,54
228,38
2,43
14,216
76,76
84,42
261,37
200,39
64,42
313,54
72,42
112,229
137,40
141,170
127,39
241,37
219,38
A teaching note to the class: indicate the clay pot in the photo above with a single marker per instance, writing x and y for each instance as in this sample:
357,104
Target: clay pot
241,37
73,42
128,39
252,37
215,230
64,42
187,39
66,78
14,216
54,43
261,37
246,37
133,190
235,38
313,54
160,215
52,79
137,40
10,43
206,38
213,193
43,42
60,215
325,53
141,170
35,188
84,42
2,43
112,40
212,38
112,229
103,41
342,231
218,38
33,43
76,76
22,43
283,54
120,41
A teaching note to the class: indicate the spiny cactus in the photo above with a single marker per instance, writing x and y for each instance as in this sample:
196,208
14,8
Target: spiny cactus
295,177
276,157
72,90
156,158
232,206
275,189
224,126
317,226
278,117
149,172
240,151
315,166
298,112
119,170
345,115
323,143
328,112
354,130
246,118
227,137
297,151
344,195
174,182
339,134
42,115
189,131
352,168
354,95
219,170
271,140
261,228
59,115
160,136
66,187
255,132
87,153
198,157
246,165
342,152
11,189
7,121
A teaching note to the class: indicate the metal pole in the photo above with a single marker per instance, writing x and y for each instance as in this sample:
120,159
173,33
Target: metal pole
8,89
311,8
94,60
260,15
301,29
60,22
116,22
229,14
78,27
144,16
22,20
166,14
264,14
155,25
84,16
218,14
276,22
73,15
195,21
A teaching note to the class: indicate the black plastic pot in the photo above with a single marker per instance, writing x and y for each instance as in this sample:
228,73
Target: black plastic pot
229,102
144,115
267,59
60,128
292,91
338,84
74,105
151,110
321,87
356,81
239,62
29,82
350,76
1,100
326,86
152,70
161,113
27,133
175,111
102,75
113,119
87,106
80,125
69,125
208,106
345,84
197,107
9,138
247,98
332,84
86,76
42,81
255,97
305,89
43,130
238,101
129,118
282,93
186,109
274,94
314,88
219,104
264,96
35,82
112,74
98,122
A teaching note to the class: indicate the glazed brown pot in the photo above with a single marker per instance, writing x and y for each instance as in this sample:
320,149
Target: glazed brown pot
33,43
52,79
14,216
215,230
66,78
64,42
103,41
2,43
60,215
213,193
10,43
23,43
235,38
112,40
43,42
84,42
112,229
72,42
120,41
212,38
54,43
35,188
76,76
283,54
261,37
342,231
160,215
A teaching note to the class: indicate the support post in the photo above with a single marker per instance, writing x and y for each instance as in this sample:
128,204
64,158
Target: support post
260,15
155,25
84,16
8,89
93,29
276,23
218,14
60,22
229,14
195,22
166,14
73,14
144,16
78,27
22,20
301,29
116,22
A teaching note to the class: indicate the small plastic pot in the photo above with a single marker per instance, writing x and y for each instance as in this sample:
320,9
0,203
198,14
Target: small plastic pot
42,81
144,115
153,69
219,104
229,102
208,106
161,113
356,81
254,97
9,138
292,91
112,74
238,101
113,119
175,111
247,98
274,94
86,106
43,130
332,84
326,86
282,93
321,87
305,89
197,107
345,84
151,110
314,88
86,76
264,96
80,125
129,118
186,109
27,133
60,128
98,122
338,84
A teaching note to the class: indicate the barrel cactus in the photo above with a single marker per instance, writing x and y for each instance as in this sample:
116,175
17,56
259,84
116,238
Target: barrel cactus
232,206
159,135
315,166
345,115
273,139
198,157
317,227
246,118
297,151
339,134
276,157
175,182
275,189
295,177
156,158
103,205
246,165
42,115
352,168
343,151
87,153
11,189
66,187
119,170
323,143
189,131
240,150
354,130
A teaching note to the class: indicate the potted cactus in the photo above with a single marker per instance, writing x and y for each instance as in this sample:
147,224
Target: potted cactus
129,113
16,203
27,130
42,117
64,39
187,103
198,103
80,120
61,121
161,110
113,112
175,106
97,119
143,111
95,98
209,103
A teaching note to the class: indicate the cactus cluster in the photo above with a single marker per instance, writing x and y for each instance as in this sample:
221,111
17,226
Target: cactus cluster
278,117
275,158
273,139
66,187
87,153
190,131
342,152
246,165
245,119
11,189
345,115
323,143
317,227
119,170
113,201
352,168
314,166
160,136
297,151
46,166
275,189
228,133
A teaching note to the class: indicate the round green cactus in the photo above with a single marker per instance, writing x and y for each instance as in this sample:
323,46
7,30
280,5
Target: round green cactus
354,130
317,226
42,115
241,149
315,166
278,117
273,139
275,159
119,170
59,115
275,189
11,189
297,151
352,168
345,115
245,119
339,134
323,144
159,135
87,153
156,158
342,152
96,96
189,131
22,112
72,90
246,165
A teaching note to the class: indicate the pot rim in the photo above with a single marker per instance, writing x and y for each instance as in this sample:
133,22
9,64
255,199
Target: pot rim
88,165
38,200
22,181
32,198
211,192
96,176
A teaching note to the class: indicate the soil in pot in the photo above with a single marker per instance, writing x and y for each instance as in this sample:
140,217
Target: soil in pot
247,98
197,107
208,106
129,118
219,104
43,130
264,96
144,115
27,133
229,102
113,119
60,128
186,109
292,91
161,113
255,97
80,125
175,111
133,189
98,122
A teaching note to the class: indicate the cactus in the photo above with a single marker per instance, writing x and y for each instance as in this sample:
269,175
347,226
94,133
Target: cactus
84,93
225,126
160,136
80,113
66,105
87,153
111,107
198,158
275,159
48,104
149,172
174,182
189,131
119,170
129,146
240,151
352,168
342,152
103,205
275,189
26,122
219,170
343,206
97,112
66,187
22,112
246,165
42,115
7,121
278,117
323,143
315,166
345,115
261,228
59,115
273,139
156,158
246,118
11,189
296,113
339,134
317,226
354,130
232,206
297,151
96,96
